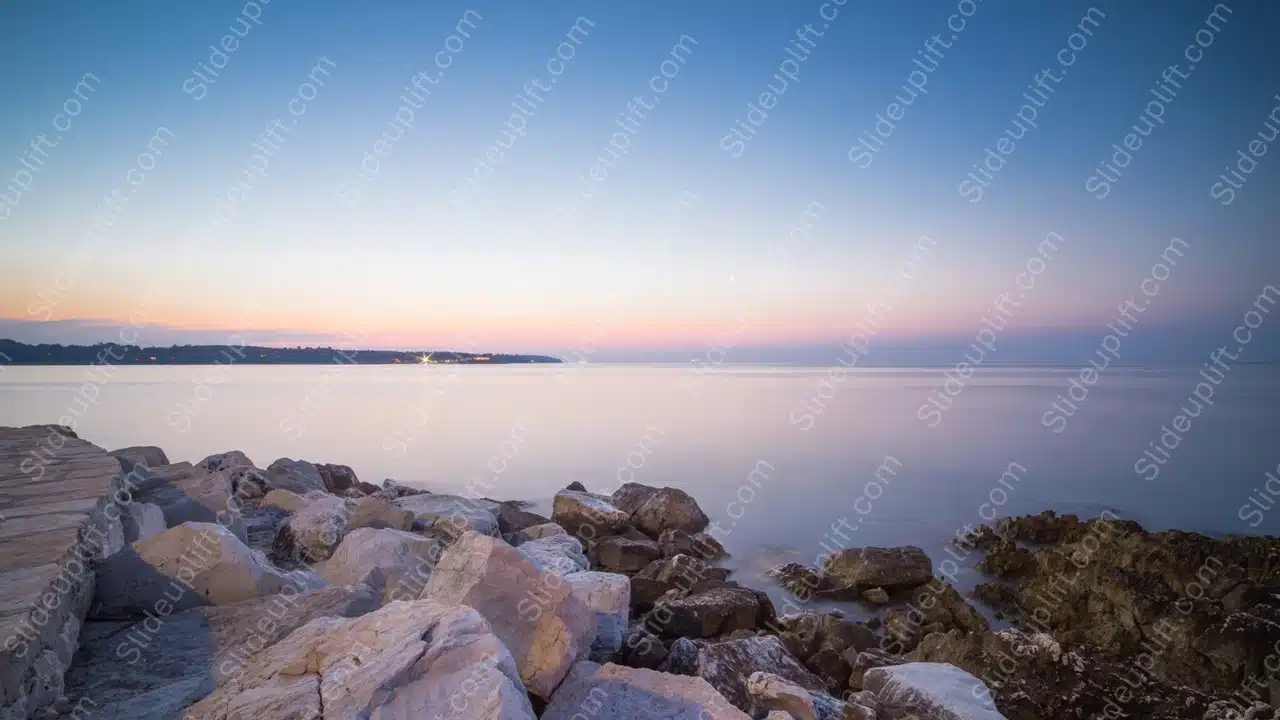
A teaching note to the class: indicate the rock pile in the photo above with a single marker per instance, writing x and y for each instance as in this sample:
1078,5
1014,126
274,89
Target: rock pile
300,591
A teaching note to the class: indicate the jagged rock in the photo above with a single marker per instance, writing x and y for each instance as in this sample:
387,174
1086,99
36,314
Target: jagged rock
337,479
619,554
536,532
934,607
803,582
608,595
876,596
643,649
223,461
587,516
1001,597
313,532
631,496
727,665
196,563
1007,560
535,613
682,658
558,554
151,670
298,476
1046,528
395,563
375,512
451,515
140,520
406,660
513,517
145,455
932,691
1210,607
853,570
615,691
670,508
188,494
770,692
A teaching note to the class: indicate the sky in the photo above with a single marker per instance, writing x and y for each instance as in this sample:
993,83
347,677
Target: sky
566,175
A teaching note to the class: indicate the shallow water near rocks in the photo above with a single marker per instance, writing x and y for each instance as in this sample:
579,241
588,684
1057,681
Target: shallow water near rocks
734,439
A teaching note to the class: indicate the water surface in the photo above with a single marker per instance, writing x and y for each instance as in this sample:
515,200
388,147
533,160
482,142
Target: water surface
734,439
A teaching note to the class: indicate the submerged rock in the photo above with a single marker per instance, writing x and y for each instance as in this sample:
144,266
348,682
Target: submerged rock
853,570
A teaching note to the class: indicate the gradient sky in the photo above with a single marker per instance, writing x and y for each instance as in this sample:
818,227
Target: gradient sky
406,268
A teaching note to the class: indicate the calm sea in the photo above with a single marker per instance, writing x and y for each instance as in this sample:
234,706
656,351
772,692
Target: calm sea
776,456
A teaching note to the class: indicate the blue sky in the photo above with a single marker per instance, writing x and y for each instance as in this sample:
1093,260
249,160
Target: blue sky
406,268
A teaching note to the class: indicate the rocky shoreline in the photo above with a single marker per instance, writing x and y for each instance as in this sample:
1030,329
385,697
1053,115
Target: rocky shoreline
232,592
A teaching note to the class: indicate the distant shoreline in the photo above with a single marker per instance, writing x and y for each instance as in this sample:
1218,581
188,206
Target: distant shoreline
16,353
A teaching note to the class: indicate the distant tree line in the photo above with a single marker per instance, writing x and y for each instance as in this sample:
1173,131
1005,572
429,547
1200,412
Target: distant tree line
17,353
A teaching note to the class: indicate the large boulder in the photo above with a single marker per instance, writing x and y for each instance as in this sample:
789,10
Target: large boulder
151,670
853,570
313,532
728,665
624,555
298,476
451,515
223,461
588,516
140,521
338,479
631,496
614,691
559,554
534,612
932,691
406,660
145,455
393,562
670,508
716,612
185,493
188,566
608,595
375,512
